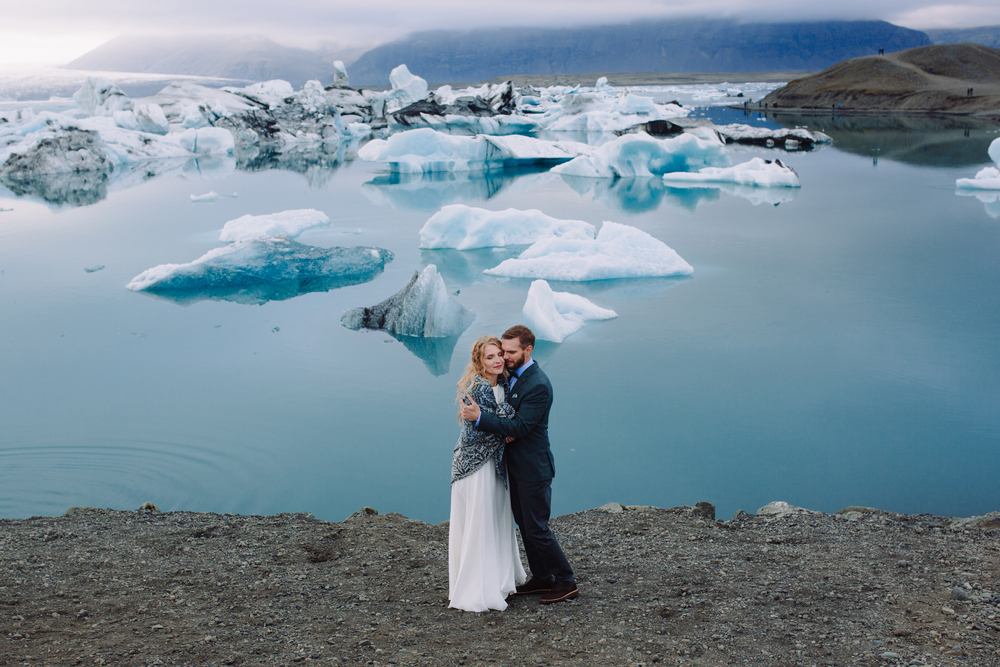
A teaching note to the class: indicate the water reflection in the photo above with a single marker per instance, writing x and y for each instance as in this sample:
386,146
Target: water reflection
463,267
316,163
431,191
436,353
920,140
89,187
638,195
991,201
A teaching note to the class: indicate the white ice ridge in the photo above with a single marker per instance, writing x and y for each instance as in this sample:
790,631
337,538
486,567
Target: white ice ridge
988,178
619,251
50,143
290,223
465,227
209,196
600,109
757,172
555,315
422,308
639,154
426,150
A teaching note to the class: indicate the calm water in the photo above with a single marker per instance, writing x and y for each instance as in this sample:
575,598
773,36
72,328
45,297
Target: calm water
838,348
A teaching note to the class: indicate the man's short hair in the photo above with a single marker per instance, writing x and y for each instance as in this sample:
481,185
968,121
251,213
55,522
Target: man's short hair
522,333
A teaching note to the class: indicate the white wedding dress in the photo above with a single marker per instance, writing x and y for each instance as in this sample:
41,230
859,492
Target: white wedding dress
484,564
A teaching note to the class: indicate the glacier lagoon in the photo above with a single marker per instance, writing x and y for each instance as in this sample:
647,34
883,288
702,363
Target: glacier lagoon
837,344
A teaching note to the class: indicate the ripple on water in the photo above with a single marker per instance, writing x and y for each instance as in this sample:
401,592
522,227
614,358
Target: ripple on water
172,470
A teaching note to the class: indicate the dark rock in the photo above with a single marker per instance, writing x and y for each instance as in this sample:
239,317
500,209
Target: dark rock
705,510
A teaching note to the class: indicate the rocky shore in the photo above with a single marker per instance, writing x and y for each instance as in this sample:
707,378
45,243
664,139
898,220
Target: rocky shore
659,586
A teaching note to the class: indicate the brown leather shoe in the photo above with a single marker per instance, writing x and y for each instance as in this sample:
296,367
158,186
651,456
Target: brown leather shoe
532,586
560,592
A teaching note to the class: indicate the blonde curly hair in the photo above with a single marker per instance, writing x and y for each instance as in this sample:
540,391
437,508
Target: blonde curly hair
477,366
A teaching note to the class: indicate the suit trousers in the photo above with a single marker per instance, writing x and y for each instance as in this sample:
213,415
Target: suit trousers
531,503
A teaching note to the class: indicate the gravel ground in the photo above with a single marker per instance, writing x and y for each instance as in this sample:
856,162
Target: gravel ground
659,586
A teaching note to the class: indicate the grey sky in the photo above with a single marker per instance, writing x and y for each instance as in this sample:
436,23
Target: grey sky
56,31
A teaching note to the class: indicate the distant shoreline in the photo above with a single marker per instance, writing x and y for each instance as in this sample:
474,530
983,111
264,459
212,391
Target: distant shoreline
648,78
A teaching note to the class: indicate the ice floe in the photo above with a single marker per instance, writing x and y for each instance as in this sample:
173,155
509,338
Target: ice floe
465,227
642,155
555,315
263,269
425,150
208,197
289,223
422,308
756,172
988,178
619,251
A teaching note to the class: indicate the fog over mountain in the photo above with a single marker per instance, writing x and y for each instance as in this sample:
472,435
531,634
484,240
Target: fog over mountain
987,36
661,46
481,54
249,57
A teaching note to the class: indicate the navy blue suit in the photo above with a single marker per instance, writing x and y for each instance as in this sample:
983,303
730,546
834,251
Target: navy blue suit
530,469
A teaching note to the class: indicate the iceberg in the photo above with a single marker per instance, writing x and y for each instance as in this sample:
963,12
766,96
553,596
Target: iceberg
425,150
465,227
256,271
423,308
555,315
757,172
288,223
634,155
207,141
619,251
406,86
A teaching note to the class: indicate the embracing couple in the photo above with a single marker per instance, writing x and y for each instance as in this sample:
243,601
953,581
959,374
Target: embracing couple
501,474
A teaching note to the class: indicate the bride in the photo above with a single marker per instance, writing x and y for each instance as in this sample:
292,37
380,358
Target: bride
484,565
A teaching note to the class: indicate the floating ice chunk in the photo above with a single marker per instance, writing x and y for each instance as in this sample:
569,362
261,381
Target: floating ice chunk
422,308
555,315
261,270
406,86
289,223
642,155
761,136
100,97
464,228
988,178
757,172
425,150
619,251
207,140
207,197
994,151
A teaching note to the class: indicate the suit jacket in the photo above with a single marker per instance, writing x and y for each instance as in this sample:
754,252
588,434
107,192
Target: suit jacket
529,457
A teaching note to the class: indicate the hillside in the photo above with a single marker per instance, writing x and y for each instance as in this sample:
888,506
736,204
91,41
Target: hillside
657,46
927,79
248,57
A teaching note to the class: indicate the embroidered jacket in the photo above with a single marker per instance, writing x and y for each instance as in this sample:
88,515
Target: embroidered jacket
474,447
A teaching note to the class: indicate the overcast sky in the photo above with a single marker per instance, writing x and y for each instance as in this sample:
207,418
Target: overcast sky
56,31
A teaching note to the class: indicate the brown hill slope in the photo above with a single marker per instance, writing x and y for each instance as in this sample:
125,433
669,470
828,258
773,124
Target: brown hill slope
928,79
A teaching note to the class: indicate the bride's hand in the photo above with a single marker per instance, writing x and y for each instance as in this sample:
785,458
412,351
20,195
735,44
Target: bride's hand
510,439
468,410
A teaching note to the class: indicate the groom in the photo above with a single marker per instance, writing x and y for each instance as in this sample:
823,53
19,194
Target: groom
530,466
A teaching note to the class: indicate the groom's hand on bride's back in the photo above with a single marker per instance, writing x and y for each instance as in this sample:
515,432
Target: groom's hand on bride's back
468,410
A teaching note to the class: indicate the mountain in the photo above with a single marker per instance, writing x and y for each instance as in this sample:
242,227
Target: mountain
987,36
649,46
250,57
